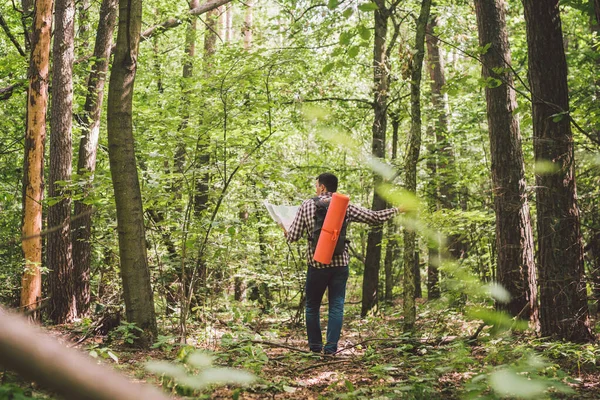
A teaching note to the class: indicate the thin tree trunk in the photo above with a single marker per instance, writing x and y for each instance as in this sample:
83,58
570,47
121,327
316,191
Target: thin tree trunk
563,305
381,85
514,238
33,169
412,157
392,248
84,31
137,290
59,252
88,147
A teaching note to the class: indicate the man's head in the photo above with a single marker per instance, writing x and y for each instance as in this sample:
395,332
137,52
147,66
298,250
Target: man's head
326,182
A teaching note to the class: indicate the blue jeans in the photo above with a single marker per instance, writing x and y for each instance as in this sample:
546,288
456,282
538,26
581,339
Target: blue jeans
317,280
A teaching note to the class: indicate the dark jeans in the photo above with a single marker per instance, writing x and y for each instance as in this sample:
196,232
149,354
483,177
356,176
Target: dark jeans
317,280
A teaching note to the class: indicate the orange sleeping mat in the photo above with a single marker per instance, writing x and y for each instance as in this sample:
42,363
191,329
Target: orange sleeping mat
332,225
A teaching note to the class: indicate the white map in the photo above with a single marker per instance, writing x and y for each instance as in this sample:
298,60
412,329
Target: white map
283,215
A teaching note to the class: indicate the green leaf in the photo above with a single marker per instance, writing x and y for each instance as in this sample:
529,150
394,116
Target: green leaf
484,49
546,167
364,32
508,383
498,292
166,368
345,38
559,116
199,359
368,7
353,51
349,386
332,4
328,67
113,356
348,12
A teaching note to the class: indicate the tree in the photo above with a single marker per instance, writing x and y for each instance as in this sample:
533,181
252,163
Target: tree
514,239
563,306
441,158
88,147
412,157
35,135
137,290
381,84
59,251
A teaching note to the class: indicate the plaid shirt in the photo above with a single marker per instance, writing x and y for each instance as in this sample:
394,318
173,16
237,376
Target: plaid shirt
305,221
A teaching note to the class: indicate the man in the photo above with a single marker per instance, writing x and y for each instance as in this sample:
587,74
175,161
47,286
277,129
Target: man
333,276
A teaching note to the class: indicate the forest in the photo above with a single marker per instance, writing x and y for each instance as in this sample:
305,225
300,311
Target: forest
142,142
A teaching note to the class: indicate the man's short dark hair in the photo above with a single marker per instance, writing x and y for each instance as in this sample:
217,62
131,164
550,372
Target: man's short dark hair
329,180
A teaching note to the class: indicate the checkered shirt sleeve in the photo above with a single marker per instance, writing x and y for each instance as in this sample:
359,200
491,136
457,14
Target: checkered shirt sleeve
304,222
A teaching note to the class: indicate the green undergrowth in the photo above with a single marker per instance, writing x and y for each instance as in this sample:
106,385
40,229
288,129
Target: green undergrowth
231,355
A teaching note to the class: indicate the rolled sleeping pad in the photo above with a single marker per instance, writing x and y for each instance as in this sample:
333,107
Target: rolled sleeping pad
332,226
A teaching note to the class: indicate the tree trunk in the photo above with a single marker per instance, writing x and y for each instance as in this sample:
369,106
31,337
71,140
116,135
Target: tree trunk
33,168
392,249
412,157
88,146
514,239
563,306
84,31
443,169
381,85
137,290
59,252
417,273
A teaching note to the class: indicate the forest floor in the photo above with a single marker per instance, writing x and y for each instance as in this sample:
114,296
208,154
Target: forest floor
376,360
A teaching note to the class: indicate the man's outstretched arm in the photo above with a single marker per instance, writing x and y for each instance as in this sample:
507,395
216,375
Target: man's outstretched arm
367,216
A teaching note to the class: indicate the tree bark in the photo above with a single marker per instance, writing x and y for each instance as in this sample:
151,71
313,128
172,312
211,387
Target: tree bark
33,170
381,86
59,251
516,270
563,306
137,290
412,158
88,147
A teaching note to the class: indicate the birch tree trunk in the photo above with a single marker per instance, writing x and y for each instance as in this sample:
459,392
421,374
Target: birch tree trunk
412,157
88,147
137,290
514,237
33,168
59,251
563,297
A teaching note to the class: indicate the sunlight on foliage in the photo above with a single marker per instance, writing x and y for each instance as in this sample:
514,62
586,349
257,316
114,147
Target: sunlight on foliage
498,292
546,167
198,372
508,383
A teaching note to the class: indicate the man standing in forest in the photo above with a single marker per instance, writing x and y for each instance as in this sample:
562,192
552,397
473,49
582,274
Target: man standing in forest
332,276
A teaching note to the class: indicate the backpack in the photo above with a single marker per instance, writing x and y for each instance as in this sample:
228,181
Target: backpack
322,207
